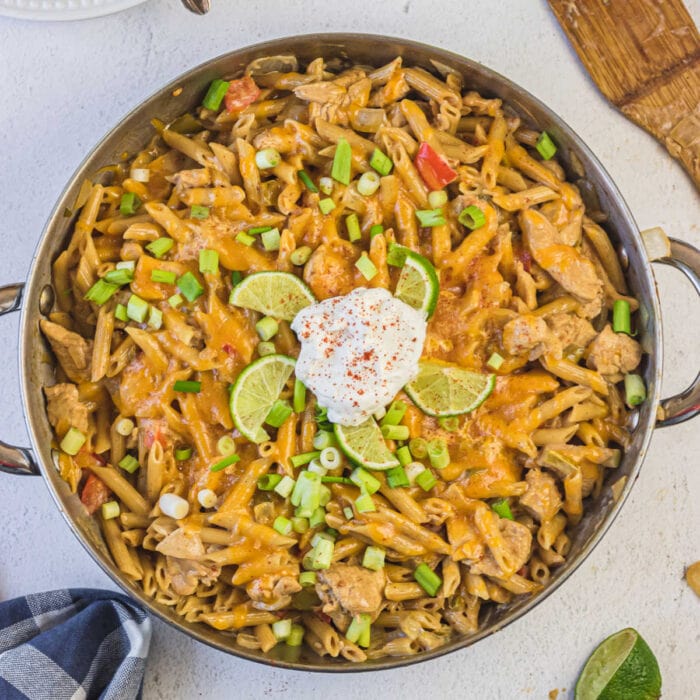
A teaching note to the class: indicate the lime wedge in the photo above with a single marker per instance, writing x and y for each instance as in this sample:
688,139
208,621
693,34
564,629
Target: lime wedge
418,284
281,295
364,444
623,667
257,388
441,389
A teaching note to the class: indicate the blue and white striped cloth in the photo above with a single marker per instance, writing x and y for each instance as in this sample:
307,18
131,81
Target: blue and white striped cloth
73,644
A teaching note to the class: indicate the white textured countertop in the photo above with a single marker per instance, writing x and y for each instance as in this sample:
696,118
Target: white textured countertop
65,84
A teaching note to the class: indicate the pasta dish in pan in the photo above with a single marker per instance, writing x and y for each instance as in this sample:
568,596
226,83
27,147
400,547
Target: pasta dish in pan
341,358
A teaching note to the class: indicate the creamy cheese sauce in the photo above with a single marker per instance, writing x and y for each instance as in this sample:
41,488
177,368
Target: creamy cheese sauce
358,351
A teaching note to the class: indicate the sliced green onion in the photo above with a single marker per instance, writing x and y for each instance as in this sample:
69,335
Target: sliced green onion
208,262
187,387
413,470
215,94
381,162
358,626
268,158
176,301
366,267
362,478
207,498
315,466
418,447
136,309
101,292
352,223
160,246
245,238
472,217
502,508
126,265
335,480
323,439
304,458
437,199
265,347
635,391
326,205
190,287
285,487
267,482
255,230
121,276
225,462
267,327
426,480
282,629
124,427
368,183
163,276
295,637
155,318
183,453
395,413
307,578
120,313
128,204
622,322
300,525
236,277
438,453
396,255
376,230
326,185
342,162
318,517
197,211
430,217
396,477
330,458
225,445
545,146
428,580
495,361
348,512
365,637
322,536
395,432
280,411
72,441
373,558
308,183
300,256
299,398
403,454
271,239
323,555
110,510
282,525
365,504
449,423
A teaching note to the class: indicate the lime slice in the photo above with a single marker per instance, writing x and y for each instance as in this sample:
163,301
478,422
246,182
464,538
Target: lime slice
258,387
364,444
418,284
441,389
281,295
623,667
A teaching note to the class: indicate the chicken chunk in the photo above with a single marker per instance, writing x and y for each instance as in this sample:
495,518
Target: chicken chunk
65,409
542,499
273,591
181,544
614,353
330,270
73,352
571,330
186,574
350,589
527,334
517,542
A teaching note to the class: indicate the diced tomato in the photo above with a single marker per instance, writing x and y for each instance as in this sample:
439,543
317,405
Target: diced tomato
436,173
228,349
526,260
94,494
240,94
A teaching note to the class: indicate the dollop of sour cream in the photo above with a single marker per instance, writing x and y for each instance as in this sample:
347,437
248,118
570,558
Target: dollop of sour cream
358,351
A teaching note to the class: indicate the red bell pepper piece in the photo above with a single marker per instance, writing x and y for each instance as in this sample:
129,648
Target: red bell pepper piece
240,94
436,173
94,494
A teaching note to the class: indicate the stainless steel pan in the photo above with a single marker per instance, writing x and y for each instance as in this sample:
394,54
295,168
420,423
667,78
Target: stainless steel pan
35,298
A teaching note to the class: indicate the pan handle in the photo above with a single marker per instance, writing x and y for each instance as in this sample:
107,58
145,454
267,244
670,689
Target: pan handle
686,258
15,460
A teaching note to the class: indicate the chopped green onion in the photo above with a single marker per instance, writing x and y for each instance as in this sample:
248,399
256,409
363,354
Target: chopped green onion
326,205
197,211
381,162
418,447
545,146
282,525
438,453
72,441
396,255
267,158
495,361
255,230
428,580
121,276
124,427
160,246
225,462
395,432
300,525
285,487
280,411
396,477
403,454
322,536
330,458
295,637
110,510
136,309
395,413
267,327
101,292
225,445
326,185
437,199
426,480
308,183
245,239
366,267
315,466
323,439
299,398
368,183
126,265
635,391
155,318
348,512
335,480
215,94
187,387
413,470
307,578
362,478
358,626
502,508
183,453
190,287
304,458
365,504
300,256
163,276
266,347
323,555
373,558
208,262
342,162
120,313
430,217
472,217
365,638
207,498
267,482
176,301
376,230
449,423
621,316
352,223
271,239
318,517
282,629
129,463
236,277
128,204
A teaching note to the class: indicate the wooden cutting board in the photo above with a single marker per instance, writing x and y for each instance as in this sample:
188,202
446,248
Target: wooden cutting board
644,55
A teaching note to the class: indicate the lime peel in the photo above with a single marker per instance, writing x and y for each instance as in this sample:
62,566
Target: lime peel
418,284
364,445
280,295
